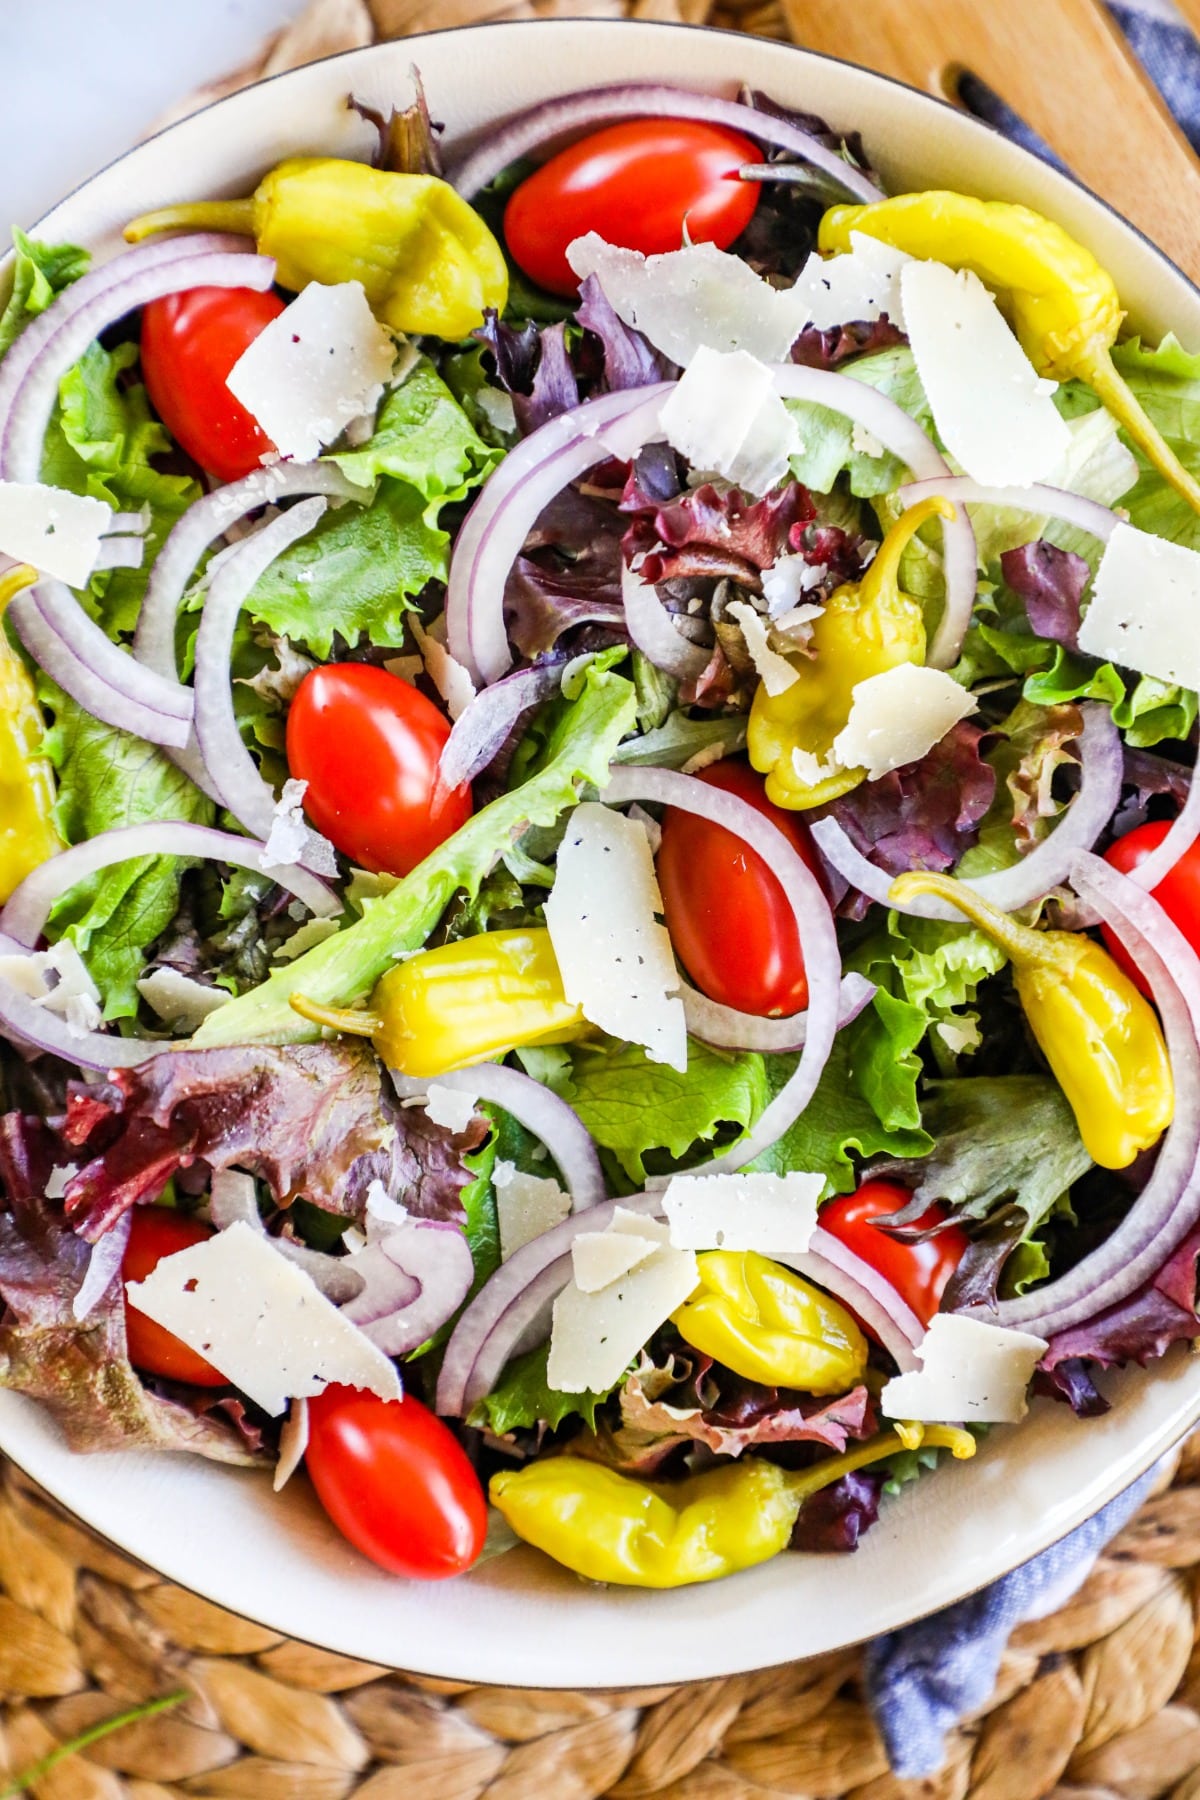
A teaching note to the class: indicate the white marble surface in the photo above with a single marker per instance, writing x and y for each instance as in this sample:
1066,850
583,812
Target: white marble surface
84,79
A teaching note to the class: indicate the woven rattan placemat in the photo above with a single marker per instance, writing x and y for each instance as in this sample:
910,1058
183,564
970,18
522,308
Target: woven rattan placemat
1101,1699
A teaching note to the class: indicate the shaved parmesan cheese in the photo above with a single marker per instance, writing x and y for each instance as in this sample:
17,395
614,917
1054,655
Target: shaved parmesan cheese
970,1371
310,934
58,532
293,1442
321,364
290,838
57,979
601,1257
448,676
1144,607
179,1001
725,417
775,671
787,581
992,409
260,1320
526,1206
865,443
382,1210
767,1213
697,296
862,283
596,1336
614,957
897,717
452,1108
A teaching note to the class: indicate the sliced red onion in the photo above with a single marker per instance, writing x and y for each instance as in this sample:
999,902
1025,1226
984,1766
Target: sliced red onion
1169,1205
1031,879
24,917
857,1285
104,1265
1185,828
645,100
68,327
230,765
513,498
543,1113
206,520
906,440
233,1201
727,1029
485,722
293,1443
1050,502
51,651
416,1276
814,922
654,632
518,1294
23,1018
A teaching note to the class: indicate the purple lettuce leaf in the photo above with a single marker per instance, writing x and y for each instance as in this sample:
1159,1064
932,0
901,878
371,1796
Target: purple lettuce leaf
568,574
629,361
1051,582
832,1520
923,816
829,349
707,533
313,1120
533,366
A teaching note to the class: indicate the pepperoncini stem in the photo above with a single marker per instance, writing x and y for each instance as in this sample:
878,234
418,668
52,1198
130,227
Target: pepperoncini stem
237,216
1019,942
1114,391
350,1019
883,574
960,1444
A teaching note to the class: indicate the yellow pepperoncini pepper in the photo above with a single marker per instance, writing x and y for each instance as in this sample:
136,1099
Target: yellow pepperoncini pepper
28,835
1064,307
462,1003
770,1325
1100,1035
866,628
612,1527
426,260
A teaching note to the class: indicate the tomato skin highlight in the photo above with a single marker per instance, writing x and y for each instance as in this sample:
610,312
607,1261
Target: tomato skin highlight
635,183
918,1272
396,1482
1178,893
368,745
190,342
727,914
155,1232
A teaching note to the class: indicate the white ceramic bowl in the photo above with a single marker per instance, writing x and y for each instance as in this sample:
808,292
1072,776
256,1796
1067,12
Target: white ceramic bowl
521,1619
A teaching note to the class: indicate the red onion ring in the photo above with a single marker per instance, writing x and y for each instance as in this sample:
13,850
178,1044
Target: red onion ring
644,100
232,1201
814,921
1046,867
104,1265
913,446
1169,1205
24,916
727,1029
230,765
543,1113
50,650
206,520
513,498
1054,503
515,1299
483,725
652,629
1185,827
857,1285
23,1018
430,1255
72,327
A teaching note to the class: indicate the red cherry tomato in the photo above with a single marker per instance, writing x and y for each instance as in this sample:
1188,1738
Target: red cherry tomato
155,1232
190,341
729,920
1178,893
918,1272
637,184
396,1482
368,744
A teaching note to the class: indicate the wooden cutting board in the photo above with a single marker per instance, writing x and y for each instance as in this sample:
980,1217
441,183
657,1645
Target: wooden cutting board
1062,65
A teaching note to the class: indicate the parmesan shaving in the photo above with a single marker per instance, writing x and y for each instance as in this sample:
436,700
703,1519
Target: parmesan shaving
1144,607
775,672
58,532
970,1372
898,716
767,1213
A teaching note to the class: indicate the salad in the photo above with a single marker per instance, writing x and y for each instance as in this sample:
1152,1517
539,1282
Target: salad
597,839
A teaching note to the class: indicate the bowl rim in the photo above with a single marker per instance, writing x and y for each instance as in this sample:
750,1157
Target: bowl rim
1137,1464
